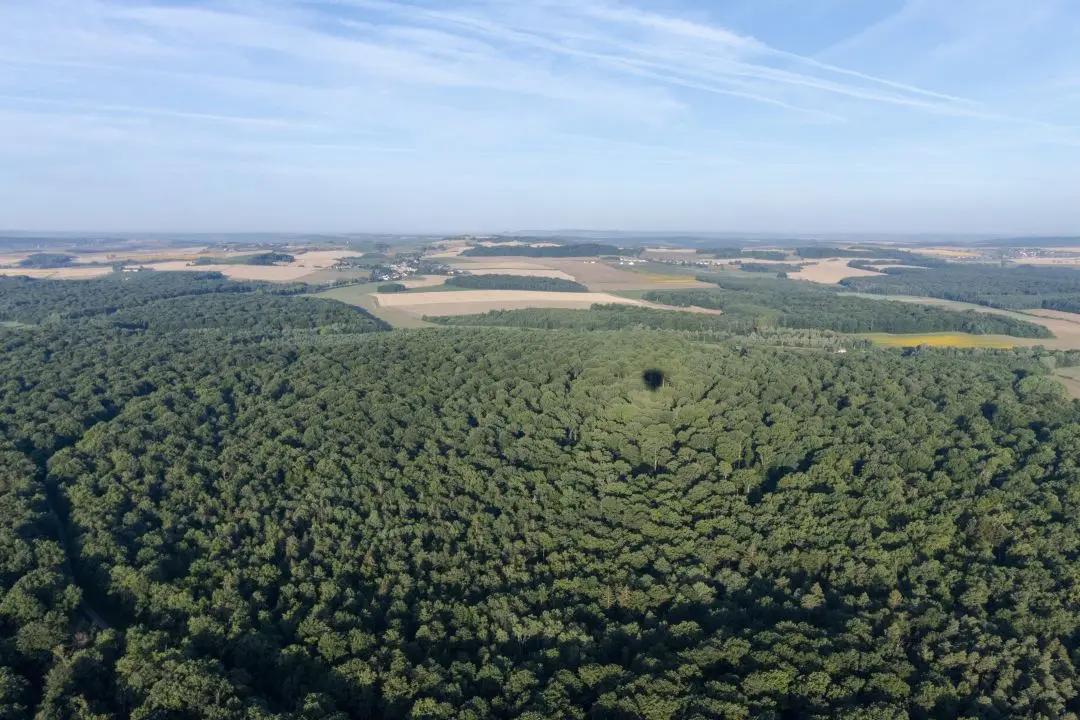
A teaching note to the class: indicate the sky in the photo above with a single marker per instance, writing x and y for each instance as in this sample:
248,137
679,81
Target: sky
791,116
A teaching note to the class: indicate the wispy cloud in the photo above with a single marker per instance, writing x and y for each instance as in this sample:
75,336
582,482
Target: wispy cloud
611,89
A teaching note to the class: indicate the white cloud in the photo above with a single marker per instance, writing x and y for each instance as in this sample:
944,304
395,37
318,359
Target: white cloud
595,90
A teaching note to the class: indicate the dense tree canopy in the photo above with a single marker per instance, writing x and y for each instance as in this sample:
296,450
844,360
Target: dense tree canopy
266,258
515,282
773,268
34,301
246,312
46,260
701,326
1014,288
474,523
794,304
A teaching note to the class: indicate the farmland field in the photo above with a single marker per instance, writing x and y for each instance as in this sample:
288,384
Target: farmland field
269,273
1070,378
362,296
958,340
830,272
600,276
511,266
74,272
1065,326
467,302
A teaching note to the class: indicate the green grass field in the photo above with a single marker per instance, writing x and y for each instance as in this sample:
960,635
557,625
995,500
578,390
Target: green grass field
361,296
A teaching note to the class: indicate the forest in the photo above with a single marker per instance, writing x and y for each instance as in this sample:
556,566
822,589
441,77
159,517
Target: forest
552,251
1011,288
266,258
774,268
515,282
30,301
257,312
471,522
47,260
696,325
794,304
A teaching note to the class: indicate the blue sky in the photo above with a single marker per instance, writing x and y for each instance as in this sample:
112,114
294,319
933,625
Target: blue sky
497,115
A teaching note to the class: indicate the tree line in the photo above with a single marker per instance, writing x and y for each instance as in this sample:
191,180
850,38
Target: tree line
32,301
696,325
516,282
1010,288
785,303
266,258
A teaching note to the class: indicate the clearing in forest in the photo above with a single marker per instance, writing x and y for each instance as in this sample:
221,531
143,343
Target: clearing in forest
1064,325
953,339
470,302
830,272
601,276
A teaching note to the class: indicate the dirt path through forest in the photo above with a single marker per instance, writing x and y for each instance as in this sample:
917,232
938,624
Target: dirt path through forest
69,564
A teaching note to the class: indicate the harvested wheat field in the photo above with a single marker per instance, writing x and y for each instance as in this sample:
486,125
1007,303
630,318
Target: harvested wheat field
949,252
141,256
269,273
524,272
1050,261
471,302
66,273
741,260
450,250
513,269
1056,314
511,266
322,259
830,272
423,281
